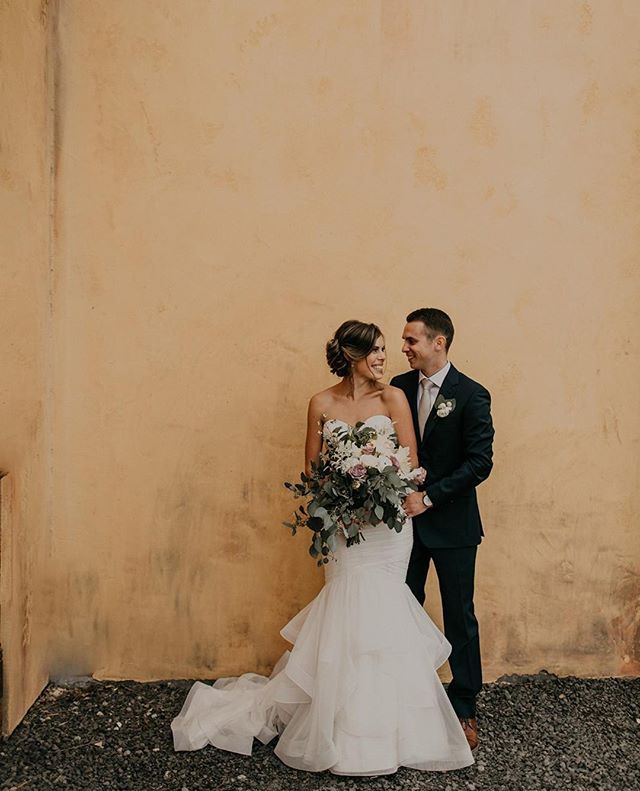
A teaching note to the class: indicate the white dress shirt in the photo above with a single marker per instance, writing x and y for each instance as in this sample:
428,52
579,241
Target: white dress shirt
437,379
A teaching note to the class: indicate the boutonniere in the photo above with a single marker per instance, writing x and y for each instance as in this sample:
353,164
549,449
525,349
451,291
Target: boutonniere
444,406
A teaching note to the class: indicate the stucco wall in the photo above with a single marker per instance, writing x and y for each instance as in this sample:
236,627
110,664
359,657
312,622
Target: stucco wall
25,344
235,179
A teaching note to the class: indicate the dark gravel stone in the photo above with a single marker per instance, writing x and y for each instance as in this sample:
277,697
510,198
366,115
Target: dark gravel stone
537,732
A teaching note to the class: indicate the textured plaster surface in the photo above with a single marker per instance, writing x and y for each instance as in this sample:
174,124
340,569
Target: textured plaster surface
231,182
25,351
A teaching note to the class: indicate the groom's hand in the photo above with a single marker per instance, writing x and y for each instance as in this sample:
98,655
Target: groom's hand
414,504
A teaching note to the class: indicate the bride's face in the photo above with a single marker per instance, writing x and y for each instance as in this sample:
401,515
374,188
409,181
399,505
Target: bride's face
372,366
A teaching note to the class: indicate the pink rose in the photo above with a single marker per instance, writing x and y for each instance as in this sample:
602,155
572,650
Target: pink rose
395,462
358,471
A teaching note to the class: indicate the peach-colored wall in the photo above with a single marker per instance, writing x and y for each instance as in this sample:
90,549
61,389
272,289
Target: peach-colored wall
25,341
234,179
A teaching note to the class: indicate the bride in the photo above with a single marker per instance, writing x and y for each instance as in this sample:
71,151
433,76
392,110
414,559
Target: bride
358,694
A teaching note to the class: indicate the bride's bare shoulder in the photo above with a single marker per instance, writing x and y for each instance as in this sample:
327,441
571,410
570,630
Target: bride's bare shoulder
320,402
395,401
392,395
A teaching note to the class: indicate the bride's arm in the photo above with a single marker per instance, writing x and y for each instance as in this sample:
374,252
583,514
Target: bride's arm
313,444
400,412
413,503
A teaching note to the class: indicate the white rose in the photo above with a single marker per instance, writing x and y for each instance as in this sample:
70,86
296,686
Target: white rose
376,462
368,460
383,445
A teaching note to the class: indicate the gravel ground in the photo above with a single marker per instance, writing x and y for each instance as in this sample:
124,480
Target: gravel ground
537,732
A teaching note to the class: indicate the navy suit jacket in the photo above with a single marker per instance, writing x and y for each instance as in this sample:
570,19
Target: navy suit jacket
456,451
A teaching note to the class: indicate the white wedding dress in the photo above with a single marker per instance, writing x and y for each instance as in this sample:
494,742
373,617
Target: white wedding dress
358,694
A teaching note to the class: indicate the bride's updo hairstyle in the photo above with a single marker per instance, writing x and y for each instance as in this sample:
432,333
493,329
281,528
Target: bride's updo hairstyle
353,340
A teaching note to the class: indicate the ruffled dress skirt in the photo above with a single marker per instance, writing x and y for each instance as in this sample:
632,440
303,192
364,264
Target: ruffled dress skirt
358,693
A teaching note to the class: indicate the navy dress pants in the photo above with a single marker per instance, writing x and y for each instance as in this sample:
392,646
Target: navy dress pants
455,568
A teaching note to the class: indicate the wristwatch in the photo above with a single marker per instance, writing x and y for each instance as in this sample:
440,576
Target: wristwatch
427,501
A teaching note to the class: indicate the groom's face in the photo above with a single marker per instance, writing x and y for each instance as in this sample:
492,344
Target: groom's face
421,350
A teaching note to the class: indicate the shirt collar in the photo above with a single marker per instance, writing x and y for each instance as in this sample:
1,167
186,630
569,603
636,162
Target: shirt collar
438,377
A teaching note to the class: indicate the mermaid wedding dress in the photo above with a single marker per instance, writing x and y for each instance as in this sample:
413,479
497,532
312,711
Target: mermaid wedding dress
358,694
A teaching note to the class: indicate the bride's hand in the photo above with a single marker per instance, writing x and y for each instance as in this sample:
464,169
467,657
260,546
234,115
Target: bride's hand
414,504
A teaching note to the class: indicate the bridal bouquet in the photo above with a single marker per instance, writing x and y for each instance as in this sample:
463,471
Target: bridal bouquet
361,479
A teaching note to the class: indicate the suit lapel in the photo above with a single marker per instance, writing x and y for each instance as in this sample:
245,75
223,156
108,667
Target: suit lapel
448,390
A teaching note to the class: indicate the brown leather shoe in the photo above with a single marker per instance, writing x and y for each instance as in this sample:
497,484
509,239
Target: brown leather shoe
470,728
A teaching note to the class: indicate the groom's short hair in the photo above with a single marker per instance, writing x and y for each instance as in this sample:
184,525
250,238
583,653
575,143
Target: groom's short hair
436,322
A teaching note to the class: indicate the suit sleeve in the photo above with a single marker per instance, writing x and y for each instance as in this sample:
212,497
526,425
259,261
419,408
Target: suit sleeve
477,432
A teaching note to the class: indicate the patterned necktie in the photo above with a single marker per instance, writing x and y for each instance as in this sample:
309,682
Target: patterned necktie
425,404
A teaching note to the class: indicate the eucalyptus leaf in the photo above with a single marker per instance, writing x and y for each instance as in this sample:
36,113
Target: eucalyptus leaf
315,523
323,514
394,478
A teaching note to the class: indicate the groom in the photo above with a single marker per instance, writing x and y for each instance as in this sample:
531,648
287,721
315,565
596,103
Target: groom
452,420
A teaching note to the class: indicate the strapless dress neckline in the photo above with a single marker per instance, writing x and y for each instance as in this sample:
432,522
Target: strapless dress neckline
363,422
